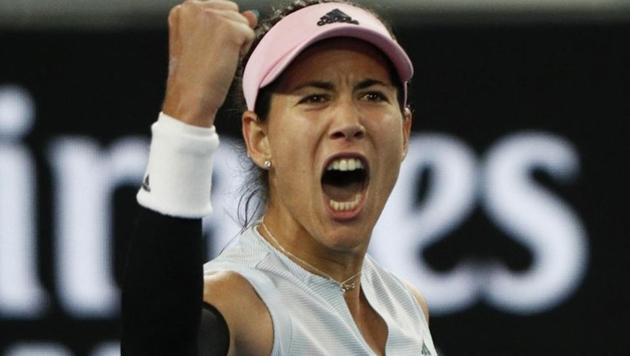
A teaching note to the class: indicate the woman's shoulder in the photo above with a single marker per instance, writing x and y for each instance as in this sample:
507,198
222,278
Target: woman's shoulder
388,279
248,319
230,287
420,299
232,284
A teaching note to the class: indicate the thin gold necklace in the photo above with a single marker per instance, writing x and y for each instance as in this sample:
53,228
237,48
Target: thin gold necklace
345,285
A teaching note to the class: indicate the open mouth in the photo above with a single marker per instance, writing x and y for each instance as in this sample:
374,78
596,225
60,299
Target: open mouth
344,182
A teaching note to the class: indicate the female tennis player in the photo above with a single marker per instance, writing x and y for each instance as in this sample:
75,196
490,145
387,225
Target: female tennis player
326,125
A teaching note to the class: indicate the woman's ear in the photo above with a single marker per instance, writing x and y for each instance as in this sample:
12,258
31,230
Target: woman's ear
256,140
406,127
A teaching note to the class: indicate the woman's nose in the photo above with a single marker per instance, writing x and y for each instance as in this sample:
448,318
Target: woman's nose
347,124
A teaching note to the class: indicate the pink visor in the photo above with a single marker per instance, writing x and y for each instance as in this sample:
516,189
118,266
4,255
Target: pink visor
294,33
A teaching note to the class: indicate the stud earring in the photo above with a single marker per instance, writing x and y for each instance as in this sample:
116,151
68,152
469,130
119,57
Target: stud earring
267,164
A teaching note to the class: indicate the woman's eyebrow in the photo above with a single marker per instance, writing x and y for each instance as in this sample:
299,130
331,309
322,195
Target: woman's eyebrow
368,83
315,84
330,86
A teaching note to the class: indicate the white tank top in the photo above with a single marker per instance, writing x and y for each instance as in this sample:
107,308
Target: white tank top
309,313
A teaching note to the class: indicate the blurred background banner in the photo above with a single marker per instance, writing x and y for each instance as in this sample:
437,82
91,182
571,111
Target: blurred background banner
510,212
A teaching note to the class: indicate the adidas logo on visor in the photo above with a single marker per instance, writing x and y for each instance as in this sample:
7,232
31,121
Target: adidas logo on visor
336,16
146,185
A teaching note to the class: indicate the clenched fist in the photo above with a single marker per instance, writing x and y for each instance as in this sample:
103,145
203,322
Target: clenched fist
206,39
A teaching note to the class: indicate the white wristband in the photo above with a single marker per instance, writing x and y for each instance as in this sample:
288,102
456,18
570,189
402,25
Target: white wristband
178,177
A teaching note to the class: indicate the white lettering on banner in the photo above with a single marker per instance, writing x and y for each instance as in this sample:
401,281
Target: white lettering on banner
85,179
227,181
54,349
535,218
21,294
107,349
404,229
525,211
37,349
85,176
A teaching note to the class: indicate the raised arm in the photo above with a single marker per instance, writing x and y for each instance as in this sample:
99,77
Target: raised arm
163,286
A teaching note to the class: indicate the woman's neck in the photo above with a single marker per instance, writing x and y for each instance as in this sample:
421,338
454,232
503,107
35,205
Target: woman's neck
309,251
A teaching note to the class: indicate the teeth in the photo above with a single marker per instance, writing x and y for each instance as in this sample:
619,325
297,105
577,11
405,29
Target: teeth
345,164
347,205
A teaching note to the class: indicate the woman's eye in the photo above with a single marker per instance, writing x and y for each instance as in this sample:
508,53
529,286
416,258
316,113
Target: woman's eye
314,99
375,96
